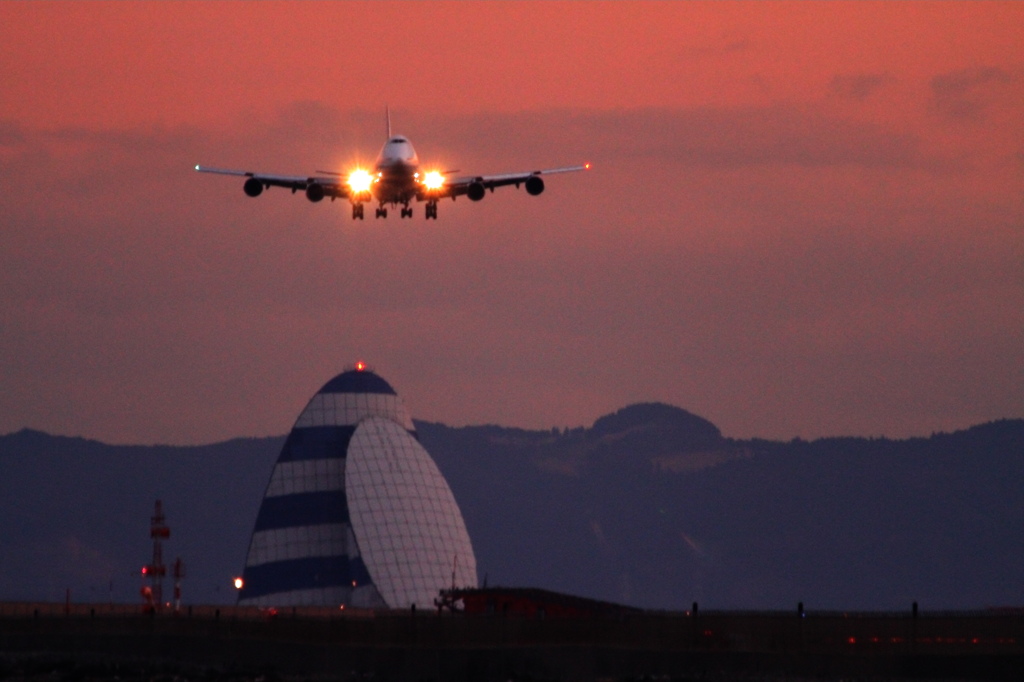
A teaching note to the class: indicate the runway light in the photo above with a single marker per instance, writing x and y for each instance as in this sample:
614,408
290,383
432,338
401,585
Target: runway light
433,180
359,181
239,583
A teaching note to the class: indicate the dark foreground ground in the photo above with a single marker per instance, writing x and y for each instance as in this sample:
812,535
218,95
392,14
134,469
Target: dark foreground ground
84,643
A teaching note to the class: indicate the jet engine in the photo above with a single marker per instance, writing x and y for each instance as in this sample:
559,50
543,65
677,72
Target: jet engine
475,191
315,192
534,185
253,187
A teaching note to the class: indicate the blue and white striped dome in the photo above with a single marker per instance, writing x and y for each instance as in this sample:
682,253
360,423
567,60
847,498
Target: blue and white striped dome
356,511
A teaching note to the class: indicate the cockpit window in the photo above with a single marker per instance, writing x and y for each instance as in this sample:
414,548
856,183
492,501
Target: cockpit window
399,147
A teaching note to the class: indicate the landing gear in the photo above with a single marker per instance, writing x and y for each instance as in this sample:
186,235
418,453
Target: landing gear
407,211
357,211
382,212
431,210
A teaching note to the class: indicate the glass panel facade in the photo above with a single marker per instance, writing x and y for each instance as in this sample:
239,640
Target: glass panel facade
410,532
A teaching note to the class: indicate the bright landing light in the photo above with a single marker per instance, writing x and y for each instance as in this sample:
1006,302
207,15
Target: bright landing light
359,181
433,180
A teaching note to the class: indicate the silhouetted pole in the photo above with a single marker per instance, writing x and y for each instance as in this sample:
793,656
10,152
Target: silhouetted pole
913,626
800,614
695,627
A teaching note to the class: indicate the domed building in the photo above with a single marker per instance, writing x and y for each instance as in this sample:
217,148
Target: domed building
356,512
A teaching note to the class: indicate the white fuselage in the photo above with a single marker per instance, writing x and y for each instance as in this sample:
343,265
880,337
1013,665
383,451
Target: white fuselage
396,172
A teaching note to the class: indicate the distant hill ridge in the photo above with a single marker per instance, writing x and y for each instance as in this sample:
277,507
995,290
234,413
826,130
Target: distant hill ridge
659,418
651,506
31,440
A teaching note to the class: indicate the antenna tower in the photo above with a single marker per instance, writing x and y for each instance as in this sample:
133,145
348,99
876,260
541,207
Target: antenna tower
156,570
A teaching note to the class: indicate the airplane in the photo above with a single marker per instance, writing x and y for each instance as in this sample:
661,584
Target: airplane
396,180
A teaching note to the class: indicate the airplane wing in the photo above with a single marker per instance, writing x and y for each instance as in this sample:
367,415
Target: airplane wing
475,186
313,185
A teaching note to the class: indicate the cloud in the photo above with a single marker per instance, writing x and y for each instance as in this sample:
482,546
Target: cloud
767,136
858,86
10,134
710,137
711,51
967,95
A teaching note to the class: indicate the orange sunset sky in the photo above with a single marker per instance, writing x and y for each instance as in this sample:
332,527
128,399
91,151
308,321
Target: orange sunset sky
804,219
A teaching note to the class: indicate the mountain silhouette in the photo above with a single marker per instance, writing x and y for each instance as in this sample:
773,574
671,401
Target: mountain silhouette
651,506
